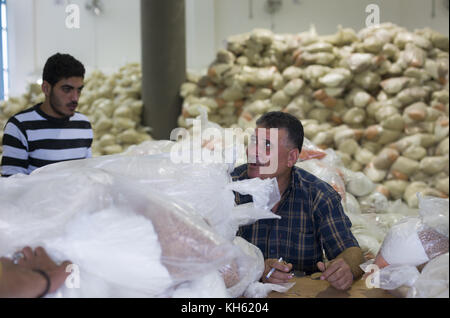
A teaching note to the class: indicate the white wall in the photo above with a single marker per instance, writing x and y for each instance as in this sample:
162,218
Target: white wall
37,28
417,14
21,44
200,33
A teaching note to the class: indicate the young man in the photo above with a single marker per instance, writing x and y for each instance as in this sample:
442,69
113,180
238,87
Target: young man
312,217
52,131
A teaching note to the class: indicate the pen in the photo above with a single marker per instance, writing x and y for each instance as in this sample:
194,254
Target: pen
273,269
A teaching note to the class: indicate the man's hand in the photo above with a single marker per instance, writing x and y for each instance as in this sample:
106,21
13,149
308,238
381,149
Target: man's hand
40,260
337,273
280,275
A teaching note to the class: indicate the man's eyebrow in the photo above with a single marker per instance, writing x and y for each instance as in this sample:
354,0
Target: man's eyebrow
71,87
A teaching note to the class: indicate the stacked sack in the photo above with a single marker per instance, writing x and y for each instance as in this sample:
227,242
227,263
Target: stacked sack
413,259
371,213
378,97
112,103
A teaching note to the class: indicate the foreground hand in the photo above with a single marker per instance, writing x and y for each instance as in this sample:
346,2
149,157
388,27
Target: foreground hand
337,273
38,259
280,275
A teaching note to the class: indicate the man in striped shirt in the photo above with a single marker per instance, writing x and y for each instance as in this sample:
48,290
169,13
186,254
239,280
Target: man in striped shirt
51,131
312,217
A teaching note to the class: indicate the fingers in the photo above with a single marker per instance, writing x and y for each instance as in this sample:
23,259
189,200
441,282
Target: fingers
27,252
39,251
280,266
65,264
321,266
338,274
343,282
280,275
330,270
5,261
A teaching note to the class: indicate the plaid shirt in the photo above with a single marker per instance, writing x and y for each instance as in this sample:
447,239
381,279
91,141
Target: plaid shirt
312,220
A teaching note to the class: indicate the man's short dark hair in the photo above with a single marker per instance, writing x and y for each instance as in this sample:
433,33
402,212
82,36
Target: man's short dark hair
284,120
61,66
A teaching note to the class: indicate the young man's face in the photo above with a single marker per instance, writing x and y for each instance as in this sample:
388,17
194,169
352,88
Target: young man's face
270,154
63,96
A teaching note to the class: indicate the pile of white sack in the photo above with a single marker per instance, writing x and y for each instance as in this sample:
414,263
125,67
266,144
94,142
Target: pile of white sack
111,102
378,97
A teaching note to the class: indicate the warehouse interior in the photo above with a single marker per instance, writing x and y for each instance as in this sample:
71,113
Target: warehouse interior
368,80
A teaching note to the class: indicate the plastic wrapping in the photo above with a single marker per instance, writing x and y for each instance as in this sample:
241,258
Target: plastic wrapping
311,151
249,270
435,213
433,281
135,212
402,245
358,183
396,276
415,241
374,203
325,172
366,231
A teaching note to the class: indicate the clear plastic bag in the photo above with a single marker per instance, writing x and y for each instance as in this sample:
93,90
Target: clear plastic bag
415,241
311,151
433,281
435,213
326,172
396,276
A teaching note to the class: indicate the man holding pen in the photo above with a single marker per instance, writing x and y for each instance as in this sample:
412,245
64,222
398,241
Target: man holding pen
312,218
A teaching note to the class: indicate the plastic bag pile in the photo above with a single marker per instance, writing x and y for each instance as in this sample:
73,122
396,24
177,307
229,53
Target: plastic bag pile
413,260
140,226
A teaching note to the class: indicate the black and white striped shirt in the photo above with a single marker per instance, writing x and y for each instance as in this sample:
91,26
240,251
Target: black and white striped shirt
32,139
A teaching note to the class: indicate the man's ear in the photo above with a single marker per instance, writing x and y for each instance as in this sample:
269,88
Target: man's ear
46,88
293,156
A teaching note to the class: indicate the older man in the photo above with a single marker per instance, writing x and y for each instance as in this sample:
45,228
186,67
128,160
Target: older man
312,217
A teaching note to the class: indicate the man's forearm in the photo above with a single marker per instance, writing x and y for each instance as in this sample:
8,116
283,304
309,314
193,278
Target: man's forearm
18,282
353,256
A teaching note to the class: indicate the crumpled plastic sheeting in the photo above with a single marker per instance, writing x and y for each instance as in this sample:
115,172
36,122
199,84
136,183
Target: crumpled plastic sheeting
435,213
395,276
391,277
192,227
432,282
415,241
251,271
90,222
210,184
402,245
